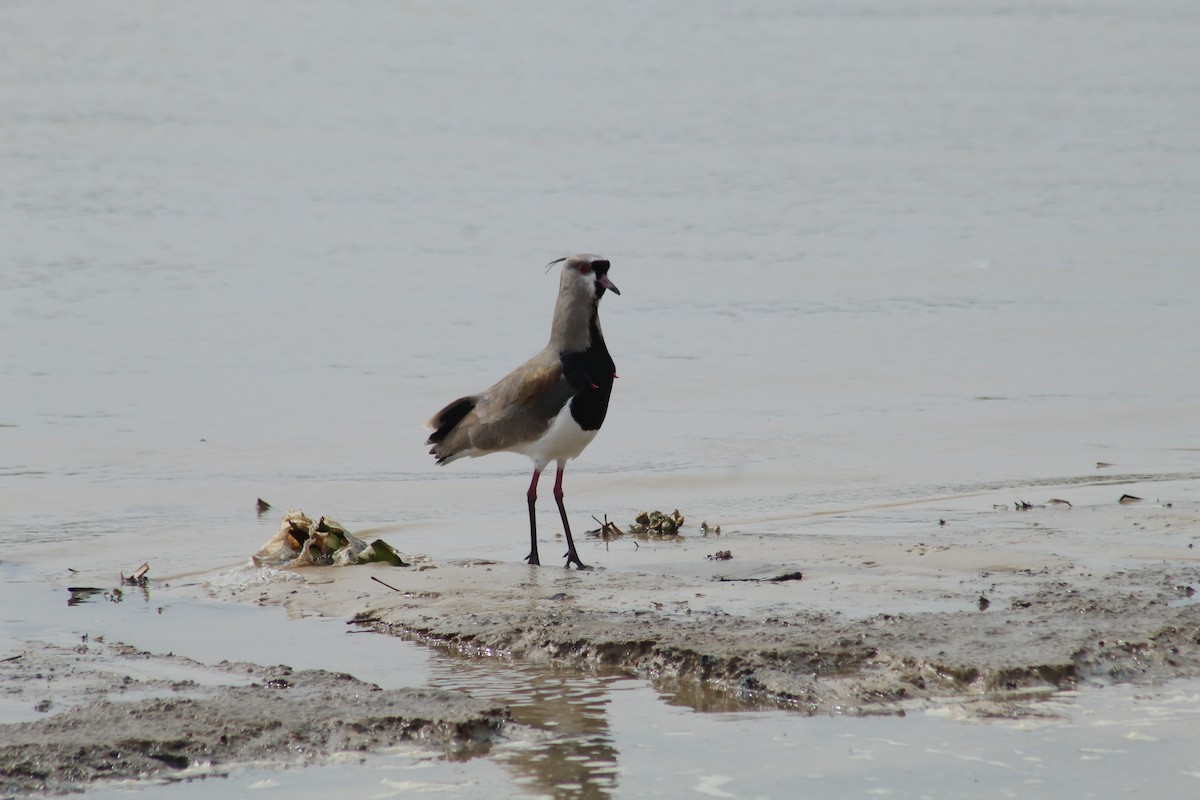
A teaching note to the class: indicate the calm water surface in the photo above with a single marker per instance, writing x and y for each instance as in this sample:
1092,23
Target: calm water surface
867,252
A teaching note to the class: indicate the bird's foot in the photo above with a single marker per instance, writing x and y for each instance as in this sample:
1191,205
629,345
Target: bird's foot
573,558
532,558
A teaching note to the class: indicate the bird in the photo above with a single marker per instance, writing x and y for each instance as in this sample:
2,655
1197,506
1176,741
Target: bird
549,408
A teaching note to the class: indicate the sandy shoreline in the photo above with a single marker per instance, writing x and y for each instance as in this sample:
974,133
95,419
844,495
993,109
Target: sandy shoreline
985,611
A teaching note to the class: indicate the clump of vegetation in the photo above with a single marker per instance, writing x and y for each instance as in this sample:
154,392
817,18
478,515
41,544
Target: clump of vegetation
300,543
656,524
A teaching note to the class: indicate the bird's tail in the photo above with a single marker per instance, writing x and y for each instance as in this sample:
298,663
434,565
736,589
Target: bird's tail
443,424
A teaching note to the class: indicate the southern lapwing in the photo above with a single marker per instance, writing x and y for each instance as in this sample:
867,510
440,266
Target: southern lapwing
550,407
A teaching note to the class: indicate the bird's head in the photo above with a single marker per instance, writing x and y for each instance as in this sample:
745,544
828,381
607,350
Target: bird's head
586,275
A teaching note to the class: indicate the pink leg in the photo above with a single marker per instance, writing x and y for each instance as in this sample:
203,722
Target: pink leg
572,556
531,495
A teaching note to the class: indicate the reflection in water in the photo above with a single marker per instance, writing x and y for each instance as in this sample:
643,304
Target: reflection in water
576,757
88,594
82,594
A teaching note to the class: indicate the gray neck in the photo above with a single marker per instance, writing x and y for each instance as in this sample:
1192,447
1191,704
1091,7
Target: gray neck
570,331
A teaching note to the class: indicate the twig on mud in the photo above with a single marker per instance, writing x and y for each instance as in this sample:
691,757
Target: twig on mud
385,583
786,576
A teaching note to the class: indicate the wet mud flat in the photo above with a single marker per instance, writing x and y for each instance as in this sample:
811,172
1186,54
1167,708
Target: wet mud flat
180,718
989,611
883,612
818,663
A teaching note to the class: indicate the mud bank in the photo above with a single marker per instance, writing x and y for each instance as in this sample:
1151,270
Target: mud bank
991,612
189,719
816,662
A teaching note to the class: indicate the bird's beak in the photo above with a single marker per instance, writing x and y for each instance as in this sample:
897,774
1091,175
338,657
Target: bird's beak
607,284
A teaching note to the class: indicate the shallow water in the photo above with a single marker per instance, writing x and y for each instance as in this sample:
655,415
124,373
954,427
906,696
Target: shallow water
868,254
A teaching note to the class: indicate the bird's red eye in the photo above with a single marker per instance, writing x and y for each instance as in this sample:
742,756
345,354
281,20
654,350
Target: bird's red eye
585,269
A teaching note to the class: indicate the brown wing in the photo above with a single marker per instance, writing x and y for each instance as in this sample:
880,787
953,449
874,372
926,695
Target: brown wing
515,410
519,408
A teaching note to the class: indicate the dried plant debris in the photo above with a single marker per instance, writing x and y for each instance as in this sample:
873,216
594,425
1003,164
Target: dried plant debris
138,578
706,529
1021,505
607,530
300,543
656,524
86,594
77,595
1128,500
647,525
720,555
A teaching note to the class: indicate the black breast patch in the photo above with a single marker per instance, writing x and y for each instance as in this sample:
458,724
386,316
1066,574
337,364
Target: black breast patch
591,374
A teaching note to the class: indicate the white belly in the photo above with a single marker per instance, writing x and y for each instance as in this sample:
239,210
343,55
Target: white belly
563,440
